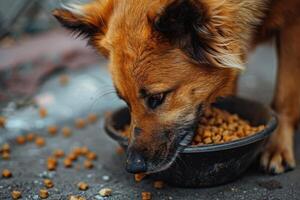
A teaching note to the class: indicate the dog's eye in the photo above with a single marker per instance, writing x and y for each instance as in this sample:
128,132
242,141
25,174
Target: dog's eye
155,100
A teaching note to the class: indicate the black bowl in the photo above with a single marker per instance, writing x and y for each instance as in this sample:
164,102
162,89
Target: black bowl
210,165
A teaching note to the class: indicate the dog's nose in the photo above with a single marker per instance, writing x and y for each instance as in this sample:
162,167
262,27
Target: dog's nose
135,162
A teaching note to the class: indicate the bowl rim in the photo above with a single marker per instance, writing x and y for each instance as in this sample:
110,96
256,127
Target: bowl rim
270,127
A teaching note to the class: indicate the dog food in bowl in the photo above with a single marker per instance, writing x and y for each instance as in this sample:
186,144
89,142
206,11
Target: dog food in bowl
210,165
218,126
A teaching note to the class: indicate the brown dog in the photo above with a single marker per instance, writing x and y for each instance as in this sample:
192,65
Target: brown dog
169,58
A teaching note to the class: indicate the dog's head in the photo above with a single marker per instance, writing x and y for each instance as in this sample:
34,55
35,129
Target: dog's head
168,58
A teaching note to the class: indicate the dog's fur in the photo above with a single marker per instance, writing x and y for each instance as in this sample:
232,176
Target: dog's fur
185,53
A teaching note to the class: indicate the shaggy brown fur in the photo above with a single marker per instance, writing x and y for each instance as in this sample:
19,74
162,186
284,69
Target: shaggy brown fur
168,58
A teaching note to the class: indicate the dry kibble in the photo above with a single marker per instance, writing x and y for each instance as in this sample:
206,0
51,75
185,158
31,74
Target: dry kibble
226,138
207,134
80,123
58,153
146,196
261,127
207,140
16,194
48,183
219,126
84,151
6,173
76,198
91,156
40,142
83,186
5,148
51,166
158,184
21,139
66,131
5,155
52,160
72,156
105,192
51,163
217,138
2,122
88,164
43,112
52,130
92,118
139,177
44,194
30,137
77,151
68,163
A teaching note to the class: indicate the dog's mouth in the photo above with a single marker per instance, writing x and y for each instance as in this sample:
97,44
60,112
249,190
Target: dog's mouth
183,138
177,146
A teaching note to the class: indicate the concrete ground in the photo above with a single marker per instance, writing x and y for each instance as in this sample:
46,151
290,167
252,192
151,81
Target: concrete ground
28,163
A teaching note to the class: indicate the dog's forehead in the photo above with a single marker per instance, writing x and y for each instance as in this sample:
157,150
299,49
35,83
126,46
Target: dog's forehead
137,59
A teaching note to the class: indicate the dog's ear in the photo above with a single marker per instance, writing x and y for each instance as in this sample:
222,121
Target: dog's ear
89,20
199,31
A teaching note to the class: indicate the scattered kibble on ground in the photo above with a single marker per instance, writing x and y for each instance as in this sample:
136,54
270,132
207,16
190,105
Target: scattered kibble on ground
51,163
76,198
84,151
21,139
5,155
139,177
6,173
146,196
83,186
2,122
44,194
43,112
158,184
68,162
72,156
105,192
30,137
77,151
48,183
80,123
5,148
58,153
40,141
16,194
66,131
88,164
52,130
91,156
92,118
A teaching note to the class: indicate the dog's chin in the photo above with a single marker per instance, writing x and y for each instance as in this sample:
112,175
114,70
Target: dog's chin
179,146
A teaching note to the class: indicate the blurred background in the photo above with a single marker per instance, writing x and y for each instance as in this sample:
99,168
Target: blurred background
44,66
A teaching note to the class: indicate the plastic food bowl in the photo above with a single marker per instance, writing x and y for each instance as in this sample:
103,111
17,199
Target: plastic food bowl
215,164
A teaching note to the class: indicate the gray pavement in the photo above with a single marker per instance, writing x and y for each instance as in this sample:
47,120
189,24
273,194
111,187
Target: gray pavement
27,162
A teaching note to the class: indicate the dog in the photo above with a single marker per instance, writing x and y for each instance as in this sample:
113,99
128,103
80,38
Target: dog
170,58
